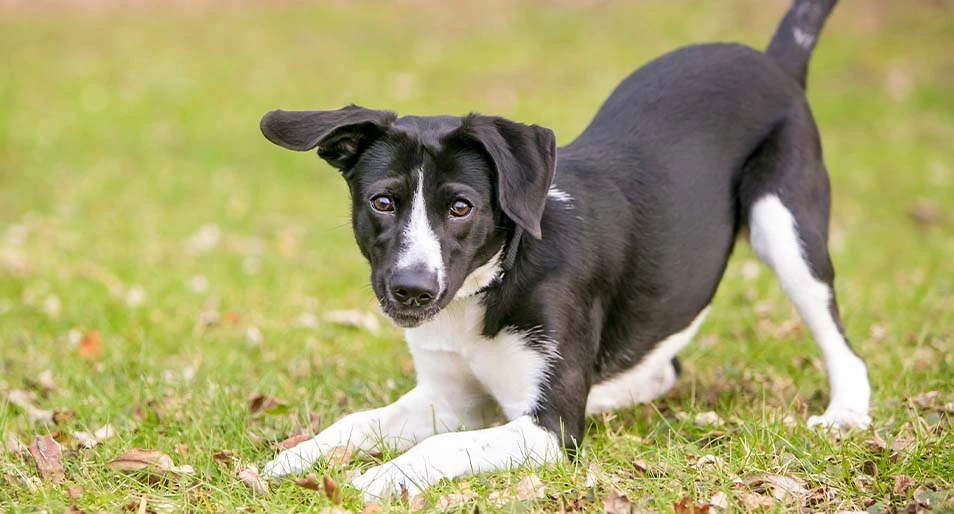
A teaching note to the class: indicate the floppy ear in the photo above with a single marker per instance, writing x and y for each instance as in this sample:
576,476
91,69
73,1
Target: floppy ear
524,157
340,135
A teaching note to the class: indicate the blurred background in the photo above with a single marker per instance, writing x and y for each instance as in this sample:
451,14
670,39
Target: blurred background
139,202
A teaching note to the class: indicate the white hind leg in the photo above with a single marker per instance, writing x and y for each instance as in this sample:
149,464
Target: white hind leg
655,375
775,238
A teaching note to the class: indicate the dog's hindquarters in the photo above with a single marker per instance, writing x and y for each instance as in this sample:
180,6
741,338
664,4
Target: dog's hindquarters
785,200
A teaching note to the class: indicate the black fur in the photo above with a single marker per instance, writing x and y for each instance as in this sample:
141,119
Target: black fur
661,182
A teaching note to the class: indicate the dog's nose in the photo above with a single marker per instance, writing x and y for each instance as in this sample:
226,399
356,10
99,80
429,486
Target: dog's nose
414,286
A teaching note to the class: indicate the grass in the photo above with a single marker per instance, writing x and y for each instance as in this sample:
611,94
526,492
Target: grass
124,131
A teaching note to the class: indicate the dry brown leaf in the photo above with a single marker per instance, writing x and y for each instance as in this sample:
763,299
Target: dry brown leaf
291,442
617,503
753,501
416,503
250,477
331,490
449,501
90,347
24,400
372,508
259,403
85,439
153,461
227,460
48,457
530,487
926,213
902,484
14,446
340,456
687,506
355,319
719,501
309,482
782,488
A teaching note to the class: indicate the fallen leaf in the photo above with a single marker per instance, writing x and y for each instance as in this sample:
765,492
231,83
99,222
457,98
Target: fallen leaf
926,213
782,488
372,508
687,506
416,503
48,457
250,477
153,461
719,500
309,482
104,432
617,503
355,319
259,403
24,401
753,501
227,460
449,501
869,468
43,382
291,442
85,439
331,490
61,416
90,347
340,456
708,419
530,487
14,446
902,484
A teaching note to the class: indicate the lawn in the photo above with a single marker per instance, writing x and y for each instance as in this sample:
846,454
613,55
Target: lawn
169,278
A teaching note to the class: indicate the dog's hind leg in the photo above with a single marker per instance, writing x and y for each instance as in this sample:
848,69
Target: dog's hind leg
785,196
653,377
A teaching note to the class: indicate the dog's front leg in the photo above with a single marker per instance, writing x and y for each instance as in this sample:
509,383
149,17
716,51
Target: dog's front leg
412,418
519,442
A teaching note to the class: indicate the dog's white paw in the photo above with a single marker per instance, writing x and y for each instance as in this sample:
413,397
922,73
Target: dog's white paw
840,419
292,461
387,481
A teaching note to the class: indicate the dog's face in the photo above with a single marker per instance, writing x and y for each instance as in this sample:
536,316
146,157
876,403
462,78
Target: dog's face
433,198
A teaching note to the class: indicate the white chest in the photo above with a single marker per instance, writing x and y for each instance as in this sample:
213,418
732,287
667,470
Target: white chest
450,348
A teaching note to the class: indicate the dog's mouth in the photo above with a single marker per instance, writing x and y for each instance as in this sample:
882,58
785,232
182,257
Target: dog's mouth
409,317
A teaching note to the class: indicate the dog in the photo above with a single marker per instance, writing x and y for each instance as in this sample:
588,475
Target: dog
559,283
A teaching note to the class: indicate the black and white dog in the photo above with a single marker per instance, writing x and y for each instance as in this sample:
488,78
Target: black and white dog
563,282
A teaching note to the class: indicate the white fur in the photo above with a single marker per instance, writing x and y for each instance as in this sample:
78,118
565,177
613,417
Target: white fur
458,372
481,277
519,442
774,238
507,368
560,196
648,380
421,246
804,39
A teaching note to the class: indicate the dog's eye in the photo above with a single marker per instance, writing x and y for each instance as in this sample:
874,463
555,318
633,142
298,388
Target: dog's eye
460,208
382,203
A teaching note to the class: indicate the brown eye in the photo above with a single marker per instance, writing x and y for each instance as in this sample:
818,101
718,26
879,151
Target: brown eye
382,203
460,208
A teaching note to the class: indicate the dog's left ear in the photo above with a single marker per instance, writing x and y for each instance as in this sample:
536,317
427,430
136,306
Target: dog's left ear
339,135
524,157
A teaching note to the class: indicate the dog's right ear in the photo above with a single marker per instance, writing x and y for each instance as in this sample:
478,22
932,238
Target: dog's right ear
340,135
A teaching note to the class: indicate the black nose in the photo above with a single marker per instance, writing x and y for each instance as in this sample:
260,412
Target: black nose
414,286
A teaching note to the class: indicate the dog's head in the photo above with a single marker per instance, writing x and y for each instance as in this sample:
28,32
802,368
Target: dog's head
433,198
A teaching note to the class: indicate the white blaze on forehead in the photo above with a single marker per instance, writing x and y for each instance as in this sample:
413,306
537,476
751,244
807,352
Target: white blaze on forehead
420,246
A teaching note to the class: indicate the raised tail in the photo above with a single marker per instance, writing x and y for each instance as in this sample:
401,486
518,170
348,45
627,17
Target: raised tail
795,38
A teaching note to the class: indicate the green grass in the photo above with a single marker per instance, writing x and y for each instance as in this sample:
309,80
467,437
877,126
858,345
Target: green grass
123,131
